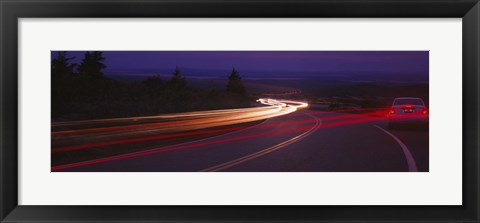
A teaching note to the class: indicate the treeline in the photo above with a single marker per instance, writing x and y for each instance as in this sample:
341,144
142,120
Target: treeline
82,91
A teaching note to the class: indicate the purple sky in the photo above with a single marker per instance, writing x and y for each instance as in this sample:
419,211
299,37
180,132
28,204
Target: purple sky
375,64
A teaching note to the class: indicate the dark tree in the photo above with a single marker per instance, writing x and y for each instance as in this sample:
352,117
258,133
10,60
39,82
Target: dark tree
235,84
177,81
62,72
92,65
154,84
61,66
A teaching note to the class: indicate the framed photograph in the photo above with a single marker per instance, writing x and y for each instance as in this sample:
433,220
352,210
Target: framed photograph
257,111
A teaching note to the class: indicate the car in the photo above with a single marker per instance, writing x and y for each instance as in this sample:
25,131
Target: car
407,110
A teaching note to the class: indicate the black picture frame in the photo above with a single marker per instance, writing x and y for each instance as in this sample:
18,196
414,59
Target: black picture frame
12,10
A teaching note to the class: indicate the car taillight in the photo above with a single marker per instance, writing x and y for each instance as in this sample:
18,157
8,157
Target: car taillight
391,111
424,111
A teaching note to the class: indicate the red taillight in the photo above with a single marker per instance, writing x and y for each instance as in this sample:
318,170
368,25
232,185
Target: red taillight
425,111
391,111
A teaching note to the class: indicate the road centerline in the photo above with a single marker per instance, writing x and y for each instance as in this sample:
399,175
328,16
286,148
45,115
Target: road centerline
263,152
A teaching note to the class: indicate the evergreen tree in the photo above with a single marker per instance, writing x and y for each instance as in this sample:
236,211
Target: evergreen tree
61,67
177,81
235,84
154,84
62,72
92,65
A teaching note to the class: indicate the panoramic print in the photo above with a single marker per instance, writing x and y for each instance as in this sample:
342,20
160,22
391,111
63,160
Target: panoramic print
240,111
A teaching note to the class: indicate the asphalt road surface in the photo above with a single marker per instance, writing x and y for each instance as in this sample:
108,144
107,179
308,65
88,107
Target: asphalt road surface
302,141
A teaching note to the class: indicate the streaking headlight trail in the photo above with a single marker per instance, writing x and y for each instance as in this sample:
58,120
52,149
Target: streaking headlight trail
91,131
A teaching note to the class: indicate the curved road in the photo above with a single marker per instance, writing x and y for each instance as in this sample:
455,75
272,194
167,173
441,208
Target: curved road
303,141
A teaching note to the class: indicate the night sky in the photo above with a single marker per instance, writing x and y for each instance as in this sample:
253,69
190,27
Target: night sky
364,65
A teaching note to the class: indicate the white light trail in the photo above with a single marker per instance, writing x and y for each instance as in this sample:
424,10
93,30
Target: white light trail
124,128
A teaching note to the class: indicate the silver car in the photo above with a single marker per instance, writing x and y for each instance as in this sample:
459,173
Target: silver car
407,110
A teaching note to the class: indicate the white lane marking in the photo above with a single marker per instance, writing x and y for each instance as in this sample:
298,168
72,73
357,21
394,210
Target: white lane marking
412,167
174,145
264,151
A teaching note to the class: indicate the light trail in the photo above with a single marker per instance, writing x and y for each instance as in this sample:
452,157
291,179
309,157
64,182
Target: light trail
172,148
277,108
211,142
159,117
202,132
171,123
85,145
268,150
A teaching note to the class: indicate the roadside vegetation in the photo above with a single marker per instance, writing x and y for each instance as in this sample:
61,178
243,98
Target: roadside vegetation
82,91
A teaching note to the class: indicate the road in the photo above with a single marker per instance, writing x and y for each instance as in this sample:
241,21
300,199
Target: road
297,141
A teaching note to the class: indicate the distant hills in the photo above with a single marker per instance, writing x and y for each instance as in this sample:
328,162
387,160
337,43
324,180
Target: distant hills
358,85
